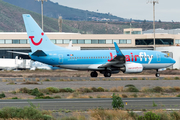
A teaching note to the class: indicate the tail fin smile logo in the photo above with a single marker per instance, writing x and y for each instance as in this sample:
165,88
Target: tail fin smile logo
34,43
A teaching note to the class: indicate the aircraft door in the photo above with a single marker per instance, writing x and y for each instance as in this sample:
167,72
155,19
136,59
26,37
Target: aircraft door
60,58
158,57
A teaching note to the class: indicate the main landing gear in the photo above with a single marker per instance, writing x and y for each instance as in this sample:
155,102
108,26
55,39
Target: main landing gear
94,74
107,74
157,74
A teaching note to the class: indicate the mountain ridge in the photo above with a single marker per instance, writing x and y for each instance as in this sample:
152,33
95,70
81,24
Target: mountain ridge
54,10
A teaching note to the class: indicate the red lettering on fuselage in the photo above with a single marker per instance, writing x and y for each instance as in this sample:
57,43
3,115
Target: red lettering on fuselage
111,57
128,57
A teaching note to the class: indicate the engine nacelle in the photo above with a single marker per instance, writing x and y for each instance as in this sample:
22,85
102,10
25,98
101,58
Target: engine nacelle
132,68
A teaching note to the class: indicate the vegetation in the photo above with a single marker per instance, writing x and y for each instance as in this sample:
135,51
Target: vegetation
117,101
132,89
157,89
24,113
2,95
66,90
53,89
150,116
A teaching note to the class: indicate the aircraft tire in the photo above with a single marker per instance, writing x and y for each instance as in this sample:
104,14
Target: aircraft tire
157,75
94,74
107,74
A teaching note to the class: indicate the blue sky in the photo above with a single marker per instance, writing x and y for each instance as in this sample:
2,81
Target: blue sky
166,10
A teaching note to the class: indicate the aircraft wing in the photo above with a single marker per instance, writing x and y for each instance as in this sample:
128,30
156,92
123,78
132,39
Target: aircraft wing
118,60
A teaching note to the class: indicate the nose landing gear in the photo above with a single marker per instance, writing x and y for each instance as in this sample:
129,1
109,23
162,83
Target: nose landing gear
157,74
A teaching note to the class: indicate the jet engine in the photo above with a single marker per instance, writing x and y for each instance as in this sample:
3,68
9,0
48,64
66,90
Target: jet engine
132,68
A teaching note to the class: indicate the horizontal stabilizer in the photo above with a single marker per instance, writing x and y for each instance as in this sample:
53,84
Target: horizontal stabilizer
39,53
22,53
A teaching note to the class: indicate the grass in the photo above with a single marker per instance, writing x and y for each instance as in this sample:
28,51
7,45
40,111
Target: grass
11,83
93,92
154,104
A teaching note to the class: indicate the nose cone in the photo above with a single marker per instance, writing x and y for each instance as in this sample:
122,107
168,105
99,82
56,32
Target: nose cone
173,61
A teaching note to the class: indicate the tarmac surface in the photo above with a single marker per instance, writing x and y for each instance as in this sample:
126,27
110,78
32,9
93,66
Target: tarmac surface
107,84
85,104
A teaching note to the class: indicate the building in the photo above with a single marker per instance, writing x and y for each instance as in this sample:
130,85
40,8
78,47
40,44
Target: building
132,38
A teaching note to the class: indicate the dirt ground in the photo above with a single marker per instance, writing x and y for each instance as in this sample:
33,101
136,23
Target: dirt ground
73,73
110,84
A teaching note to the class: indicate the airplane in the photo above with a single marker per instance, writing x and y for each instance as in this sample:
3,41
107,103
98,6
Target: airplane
107,62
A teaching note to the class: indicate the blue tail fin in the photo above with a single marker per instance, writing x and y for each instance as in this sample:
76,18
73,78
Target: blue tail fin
37,38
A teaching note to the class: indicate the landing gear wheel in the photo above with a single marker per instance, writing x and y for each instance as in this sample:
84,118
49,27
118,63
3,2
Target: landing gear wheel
94,74
107,74
157,74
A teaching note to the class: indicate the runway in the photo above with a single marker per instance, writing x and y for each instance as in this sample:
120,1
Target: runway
85,104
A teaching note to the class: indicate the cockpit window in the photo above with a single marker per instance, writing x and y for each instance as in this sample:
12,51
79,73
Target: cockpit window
165,56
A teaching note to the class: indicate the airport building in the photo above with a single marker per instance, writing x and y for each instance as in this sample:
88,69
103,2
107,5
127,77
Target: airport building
133,38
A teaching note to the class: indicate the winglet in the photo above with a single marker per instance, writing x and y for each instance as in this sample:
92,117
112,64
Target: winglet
119,53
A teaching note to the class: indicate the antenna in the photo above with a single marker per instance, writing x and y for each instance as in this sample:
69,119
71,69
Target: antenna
42,10
60,21
154,2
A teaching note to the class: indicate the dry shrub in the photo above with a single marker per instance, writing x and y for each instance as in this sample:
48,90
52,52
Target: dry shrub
84,90
113,89
101,114
37,79
105,96
124,96
11,83
146,89
47,112
168,89
84,96
117,89
120,88
75,95
70,96
92,79
4,80
30,82
117,78
44,90
164,114
177,88
19,80
14,119
142,95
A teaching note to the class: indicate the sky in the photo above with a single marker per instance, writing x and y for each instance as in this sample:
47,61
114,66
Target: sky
165,10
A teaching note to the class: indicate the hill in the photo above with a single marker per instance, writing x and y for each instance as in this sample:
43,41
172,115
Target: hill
11,21
54,10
